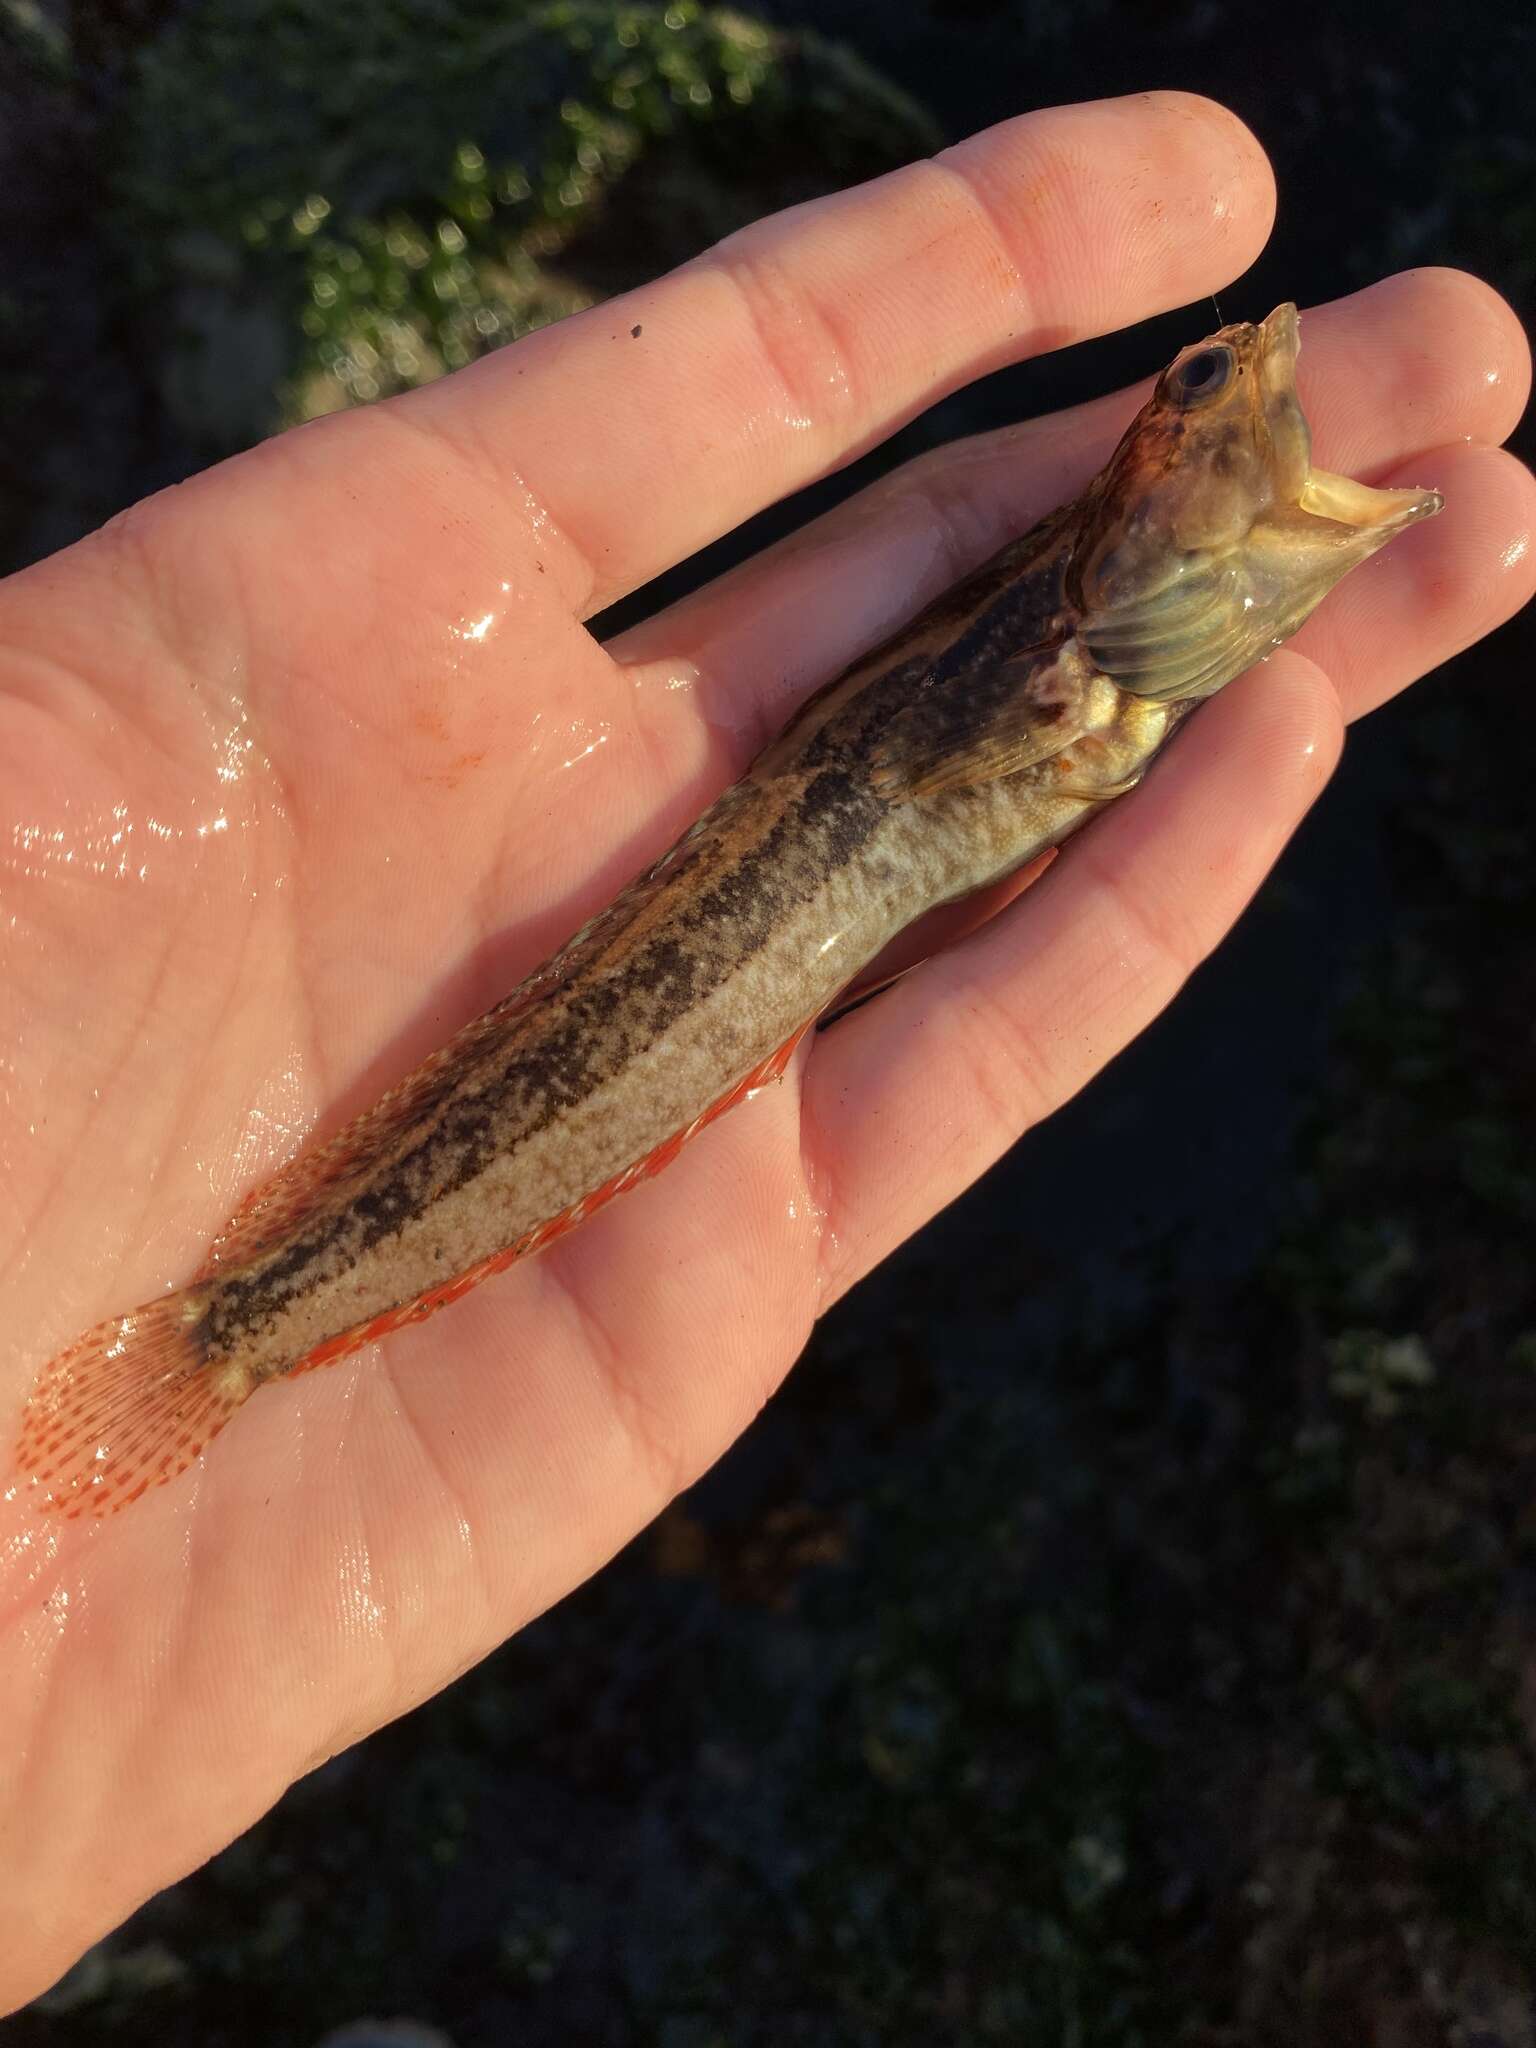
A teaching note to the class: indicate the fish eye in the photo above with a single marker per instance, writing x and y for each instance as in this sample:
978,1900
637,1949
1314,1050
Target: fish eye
1201,375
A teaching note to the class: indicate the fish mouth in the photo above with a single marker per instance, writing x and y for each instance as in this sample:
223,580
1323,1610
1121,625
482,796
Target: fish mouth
1375,515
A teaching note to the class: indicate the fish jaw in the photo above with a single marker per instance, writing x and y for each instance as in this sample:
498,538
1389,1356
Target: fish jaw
1321,524
1381,514
1296,557
1272,348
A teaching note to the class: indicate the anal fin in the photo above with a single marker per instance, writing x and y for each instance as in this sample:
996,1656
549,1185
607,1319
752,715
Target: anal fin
545,1233
1100,792
272,1209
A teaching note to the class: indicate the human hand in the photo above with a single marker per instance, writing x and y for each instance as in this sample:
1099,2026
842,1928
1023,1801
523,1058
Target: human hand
307,761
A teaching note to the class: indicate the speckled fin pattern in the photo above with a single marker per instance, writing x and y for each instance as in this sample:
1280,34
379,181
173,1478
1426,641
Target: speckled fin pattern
126,1407
274,1209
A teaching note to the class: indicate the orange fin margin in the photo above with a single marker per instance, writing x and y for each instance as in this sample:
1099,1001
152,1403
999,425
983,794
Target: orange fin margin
334,1348
128,1406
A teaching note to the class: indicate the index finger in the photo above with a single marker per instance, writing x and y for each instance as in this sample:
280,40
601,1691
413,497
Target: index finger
636,432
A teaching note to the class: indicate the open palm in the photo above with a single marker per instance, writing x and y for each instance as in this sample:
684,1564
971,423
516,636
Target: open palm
306,762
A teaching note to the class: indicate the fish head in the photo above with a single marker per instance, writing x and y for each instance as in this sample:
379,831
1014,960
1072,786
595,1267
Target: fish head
1211,535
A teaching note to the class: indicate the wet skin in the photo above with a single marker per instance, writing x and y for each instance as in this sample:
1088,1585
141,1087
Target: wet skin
279,828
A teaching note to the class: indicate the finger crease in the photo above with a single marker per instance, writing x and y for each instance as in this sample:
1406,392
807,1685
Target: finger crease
510,492
661,1462
1000,232
1180,956
1022,1097
798,339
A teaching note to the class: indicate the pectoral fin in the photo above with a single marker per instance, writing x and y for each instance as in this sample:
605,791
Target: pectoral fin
975,729
1101,792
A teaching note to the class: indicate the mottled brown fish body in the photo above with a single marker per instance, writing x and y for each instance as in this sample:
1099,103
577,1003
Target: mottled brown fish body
778,897
986,731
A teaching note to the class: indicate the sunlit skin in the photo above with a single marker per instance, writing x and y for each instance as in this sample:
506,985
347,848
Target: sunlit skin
1008,714
304,763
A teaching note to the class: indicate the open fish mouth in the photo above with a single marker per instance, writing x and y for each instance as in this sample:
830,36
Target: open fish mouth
1376,513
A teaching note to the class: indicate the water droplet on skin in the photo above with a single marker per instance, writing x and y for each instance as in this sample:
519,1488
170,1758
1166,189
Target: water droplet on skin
585,741
674,677
811,1214
474,629
91,841
29,1552
274,1129
362,1611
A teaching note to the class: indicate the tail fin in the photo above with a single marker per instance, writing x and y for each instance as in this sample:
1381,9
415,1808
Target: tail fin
128,1406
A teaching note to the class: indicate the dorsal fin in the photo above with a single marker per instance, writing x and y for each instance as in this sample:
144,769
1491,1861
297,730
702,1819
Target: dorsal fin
272,1209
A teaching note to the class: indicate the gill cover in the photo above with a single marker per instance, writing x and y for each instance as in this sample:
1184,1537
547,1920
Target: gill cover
1210,537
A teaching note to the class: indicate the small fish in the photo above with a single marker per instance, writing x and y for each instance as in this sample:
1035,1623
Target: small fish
1006,715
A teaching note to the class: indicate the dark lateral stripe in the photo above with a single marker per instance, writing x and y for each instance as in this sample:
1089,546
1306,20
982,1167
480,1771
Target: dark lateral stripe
585,1032
715,900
